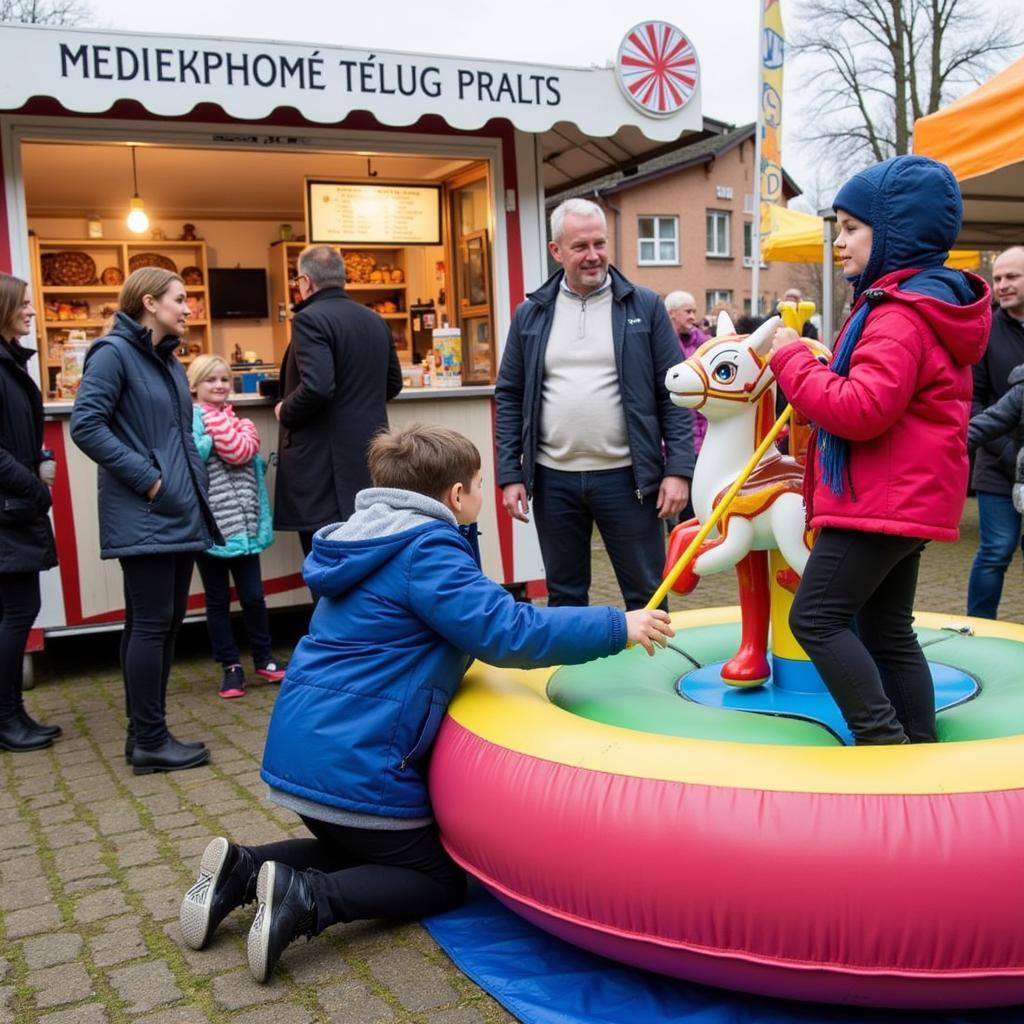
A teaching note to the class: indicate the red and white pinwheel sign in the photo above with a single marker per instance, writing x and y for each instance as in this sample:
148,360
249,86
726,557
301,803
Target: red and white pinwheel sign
657,68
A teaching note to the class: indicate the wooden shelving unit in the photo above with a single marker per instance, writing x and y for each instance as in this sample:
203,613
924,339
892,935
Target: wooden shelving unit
86,308
283,296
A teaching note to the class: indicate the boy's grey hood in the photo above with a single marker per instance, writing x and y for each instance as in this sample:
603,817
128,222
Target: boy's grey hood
383,511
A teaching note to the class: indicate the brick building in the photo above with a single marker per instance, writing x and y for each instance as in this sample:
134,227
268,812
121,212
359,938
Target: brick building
683,220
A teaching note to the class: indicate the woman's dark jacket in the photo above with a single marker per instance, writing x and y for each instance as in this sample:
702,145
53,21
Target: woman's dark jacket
339,371
133,417
26,537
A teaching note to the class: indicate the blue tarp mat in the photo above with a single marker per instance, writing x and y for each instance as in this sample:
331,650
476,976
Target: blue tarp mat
542,980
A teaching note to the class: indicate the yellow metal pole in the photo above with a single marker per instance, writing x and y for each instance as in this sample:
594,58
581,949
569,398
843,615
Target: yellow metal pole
720,509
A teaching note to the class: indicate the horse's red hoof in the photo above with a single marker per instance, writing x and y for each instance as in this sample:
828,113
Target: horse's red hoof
746,668
788,579
678,541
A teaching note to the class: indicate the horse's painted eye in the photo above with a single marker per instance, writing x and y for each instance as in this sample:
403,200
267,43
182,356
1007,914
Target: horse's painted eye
725,373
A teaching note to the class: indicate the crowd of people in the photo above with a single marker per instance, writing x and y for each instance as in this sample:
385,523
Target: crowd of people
585,435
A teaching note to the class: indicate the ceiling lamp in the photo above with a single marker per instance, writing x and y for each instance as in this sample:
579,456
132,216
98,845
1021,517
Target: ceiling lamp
137,219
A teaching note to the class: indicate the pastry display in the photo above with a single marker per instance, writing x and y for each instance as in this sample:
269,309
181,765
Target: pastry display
197,304
72,268
55,310
191,275
112,276
151,259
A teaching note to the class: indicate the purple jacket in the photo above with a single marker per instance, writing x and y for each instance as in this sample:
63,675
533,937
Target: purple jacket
689,344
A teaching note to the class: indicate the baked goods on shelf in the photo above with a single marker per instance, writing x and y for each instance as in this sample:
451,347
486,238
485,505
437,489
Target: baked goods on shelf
192,275
112,275
151,259
72,268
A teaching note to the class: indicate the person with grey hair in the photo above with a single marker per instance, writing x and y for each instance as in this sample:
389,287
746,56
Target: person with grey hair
584,424
337,374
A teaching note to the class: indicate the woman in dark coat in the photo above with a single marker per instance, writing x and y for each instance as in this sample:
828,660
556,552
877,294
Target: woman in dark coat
26,538
133,417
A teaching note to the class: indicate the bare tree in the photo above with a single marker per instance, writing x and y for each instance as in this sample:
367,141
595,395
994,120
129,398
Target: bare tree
46,12
872,67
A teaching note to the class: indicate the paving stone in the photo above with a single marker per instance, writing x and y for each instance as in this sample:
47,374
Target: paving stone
170,822
237,989
138,854
20,867
121,818
278,1013
415,982
97,905
7,993
17,836
178,1015
74,834
89,882
24,892
39,784
223,952
32,921
87,1013
352,1003
163,904
56,814
120,942
66,983
315,962
145,986
58,948
459,1015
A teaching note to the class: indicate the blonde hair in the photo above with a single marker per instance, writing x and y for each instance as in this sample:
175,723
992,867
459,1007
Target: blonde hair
203,368
12,294
142,282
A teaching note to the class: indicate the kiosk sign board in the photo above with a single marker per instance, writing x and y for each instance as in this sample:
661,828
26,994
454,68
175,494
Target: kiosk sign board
355,213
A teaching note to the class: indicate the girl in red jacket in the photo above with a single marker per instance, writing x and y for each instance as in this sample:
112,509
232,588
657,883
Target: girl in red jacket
889,469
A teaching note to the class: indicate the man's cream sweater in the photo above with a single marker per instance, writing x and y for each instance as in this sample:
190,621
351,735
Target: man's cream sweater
582,422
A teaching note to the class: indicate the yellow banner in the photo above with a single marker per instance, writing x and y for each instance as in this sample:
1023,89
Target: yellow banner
773,48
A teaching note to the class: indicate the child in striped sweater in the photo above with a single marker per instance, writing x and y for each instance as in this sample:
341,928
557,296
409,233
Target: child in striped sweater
238,496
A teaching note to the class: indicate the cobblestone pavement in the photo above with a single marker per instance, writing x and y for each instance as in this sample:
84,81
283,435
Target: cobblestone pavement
94,860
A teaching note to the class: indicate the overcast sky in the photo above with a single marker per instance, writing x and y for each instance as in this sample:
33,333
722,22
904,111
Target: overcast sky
724,33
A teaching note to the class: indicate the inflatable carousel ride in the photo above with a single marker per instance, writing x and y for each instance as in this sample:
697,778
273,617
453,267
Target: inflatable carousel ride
703,814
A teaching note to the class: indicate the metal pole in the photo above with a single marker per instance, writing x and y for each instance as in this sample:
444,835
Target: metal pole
828,219
755,234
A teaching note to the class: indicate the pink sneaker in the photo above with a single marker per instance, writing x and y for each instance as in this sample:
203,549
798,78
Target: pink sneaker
271,671
234,682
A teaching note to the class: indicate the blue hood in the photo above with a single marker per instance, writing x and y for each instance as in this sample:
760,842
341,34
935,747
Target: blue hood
914,208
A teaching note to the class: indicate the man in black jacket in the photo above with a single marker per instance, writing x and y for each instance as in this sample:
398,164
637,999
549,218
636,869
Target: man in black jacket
994,463
339,371
584,424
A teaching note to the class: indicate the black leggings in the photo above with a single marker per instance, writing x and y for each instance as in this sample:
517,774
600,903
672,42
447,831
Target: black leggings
155,601
19,607
362,873
877,673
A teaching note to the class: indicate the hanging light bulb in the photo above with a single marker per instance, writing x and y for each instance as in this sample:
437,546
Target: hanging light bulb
137,220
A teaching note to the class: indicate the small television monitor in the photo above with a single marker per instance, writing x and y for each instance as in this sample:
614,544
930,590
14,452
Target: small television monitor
238,293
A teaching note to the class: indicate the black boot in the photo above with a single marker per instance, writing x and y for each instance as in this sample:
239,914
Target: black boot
227,879
170,756
53,731
129,743
285,910
16,735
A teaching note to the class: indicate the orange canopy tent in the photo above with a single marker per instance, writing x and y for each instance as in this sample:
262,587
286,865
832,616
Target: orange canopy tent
980,137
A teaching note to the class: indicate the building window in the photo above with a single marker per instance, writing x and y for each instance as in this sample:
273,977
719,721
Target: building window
718,233
718,296
748,243
657,241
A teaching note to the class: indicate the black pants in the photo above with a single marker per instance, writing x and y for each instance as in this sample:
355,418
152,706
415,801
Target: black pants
567,505
361,873
155,601
19,607
877,675
217,574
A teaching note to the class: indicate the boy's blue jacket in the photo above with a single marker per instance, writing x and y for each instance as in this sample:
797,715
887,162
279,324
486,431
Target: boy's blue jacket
399,620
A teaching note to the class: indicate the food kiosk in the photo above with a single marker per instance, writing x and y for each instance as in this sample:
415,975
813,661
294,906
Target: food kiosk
427,172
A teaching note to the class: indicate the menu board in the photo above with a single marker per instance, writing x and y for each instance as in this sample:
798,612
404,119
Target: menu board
355,213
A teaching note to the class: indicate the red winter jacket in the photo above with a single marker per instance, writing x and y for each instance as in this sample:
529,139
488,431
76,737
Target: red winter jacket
903,409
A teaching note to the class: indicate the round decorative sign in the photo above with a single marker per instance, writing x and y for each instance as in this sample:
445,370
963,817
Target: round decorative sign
657,68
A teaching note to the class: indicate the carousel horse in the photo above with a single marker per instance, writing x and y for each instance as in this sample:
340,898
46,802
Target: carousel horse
729,380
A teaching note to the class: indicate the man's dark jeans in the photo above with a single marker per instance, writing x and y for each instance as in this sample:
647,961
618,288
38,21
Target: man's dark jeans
566,507
999,525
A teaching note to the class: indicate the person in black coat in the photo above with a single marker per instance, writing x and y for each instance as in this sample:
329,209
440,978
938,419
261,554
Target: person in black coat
133,417
338,372
26,537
